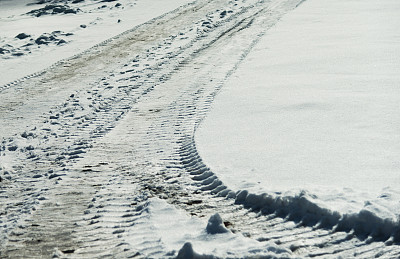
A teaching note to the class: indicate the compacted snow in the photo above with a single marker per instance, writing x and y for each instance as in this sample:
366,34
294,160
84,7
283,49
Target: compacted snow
315,107
77,175
65,34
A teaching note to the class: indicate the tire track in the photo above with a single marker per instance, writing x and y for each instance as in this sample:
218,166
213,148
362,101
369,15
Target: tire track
61,127
134,139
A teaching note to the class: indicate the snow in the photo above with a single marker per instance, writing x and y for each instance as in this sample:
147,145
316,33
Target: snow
315,107
179,232
98,158
58,184
100,23
215,225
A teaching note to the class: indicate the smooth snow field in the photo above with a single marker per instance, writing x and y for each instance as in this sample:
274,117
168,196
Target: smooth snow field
199,129
315,107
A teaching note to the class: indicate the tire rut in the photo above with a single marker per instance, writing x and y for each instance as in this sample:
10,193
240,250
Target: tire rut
108,148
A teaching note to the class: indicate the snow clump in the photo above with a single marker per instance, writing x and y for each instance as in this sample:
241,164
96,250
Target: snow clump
215,225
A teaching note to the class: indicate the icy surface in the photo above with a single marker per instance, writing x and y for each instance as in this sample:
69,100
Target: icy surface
316,107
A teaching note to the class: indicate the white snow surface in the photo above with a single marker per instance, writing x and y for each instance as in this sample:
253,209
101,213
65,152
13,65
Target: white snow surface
175,228
102,21
315,107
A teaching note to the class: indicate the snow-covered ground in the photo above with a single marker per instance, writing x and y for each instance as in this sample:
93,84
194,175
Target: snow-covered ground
42,166
315,107
64,35
101,103
175,228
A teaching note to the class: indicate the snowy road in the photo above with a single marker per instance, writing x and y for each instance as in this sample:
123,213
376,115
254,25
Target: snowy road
96,149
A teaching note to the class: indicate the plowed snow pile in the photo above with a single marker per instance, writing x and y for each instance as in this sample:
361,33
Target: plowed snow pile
314,110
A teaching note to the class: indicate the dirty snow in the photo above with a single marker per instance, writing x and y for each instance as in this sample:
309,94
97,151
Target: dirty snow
36,36
96,22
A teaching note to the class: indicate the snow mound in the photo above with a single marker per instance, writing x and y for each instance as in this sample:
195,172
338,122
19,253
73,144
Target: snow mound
215,225
187,252
304,208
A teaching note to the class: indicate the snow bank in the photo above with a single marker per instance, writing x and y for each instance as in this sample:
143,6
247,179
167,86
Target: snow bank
377,219
303,208
308,125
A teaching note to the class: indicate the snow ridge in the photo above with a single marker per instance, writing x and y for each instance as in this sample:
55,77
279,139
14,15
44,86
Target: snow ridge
300,209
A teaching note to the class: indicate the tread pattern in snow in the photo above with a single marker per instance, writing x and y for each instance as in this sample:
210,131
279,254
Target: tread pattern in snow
84,175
